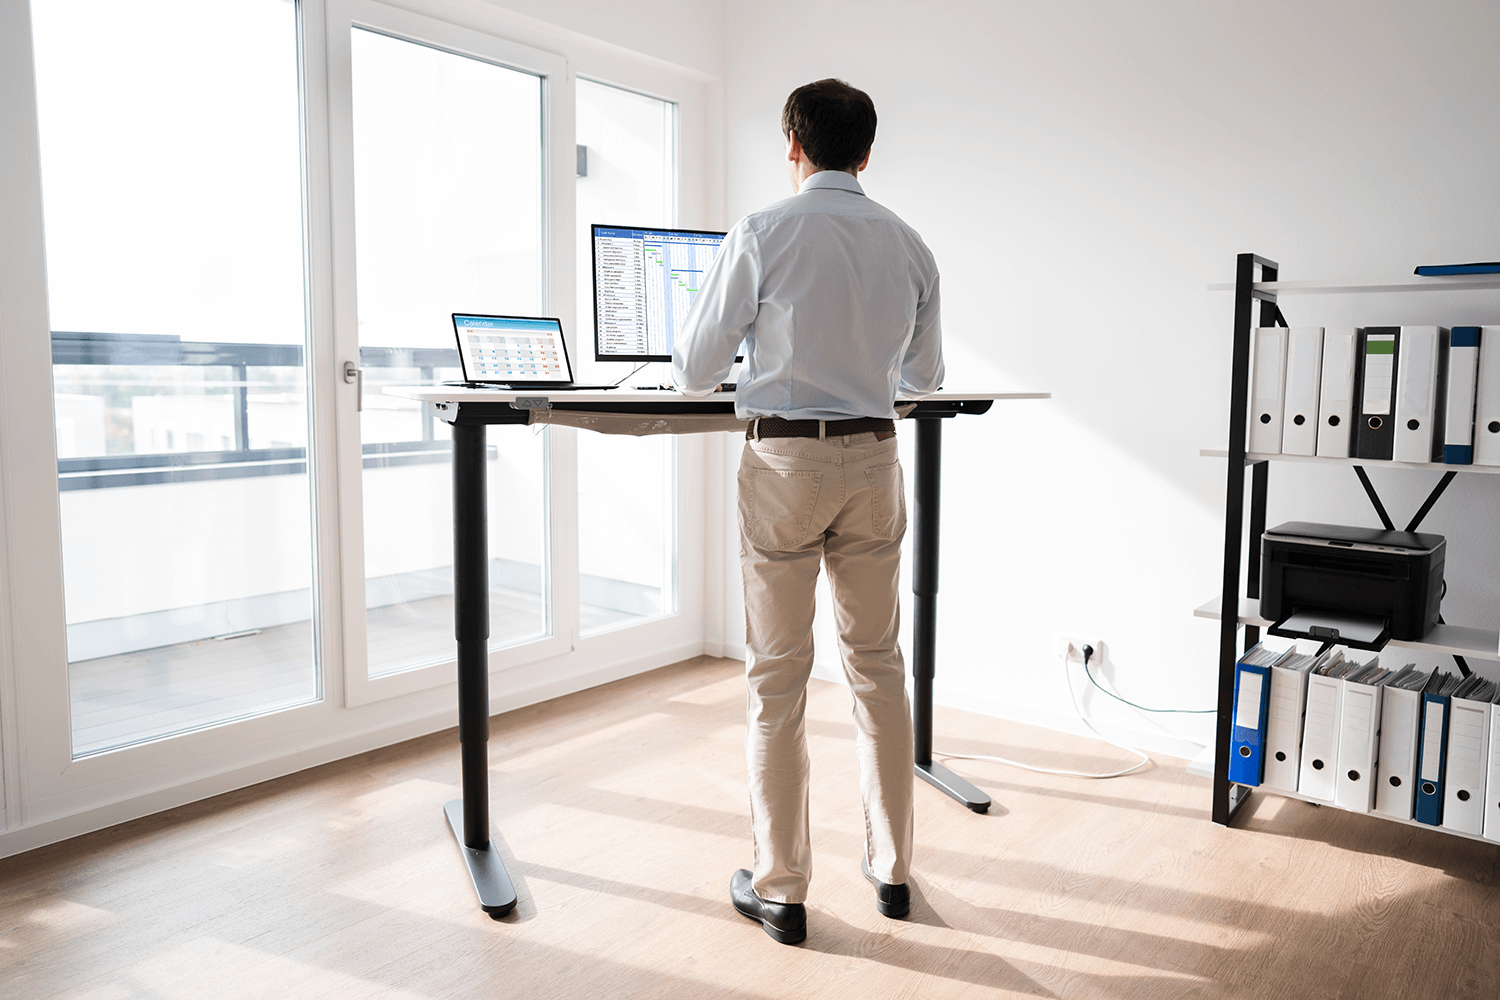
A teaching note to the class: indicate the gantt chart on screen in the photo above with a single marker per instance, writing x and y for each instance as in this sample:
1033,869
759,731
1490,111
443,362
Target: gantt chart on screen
644,282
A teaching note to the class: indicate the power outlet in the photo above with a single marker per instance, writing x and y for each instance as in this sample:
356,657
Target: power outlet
1070,649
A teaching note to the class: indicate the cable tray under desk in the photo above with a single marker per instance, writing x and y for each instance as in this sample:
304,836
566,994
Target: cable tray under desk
1453,640
1377,463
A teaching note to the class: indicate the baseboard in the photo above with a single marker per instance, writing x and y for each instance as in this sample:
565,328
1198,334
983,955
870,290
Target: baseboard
1151,741
728,650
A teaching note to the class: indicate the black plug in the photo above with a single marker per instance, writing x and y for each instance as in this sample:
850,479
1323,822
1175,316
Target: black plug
1088,651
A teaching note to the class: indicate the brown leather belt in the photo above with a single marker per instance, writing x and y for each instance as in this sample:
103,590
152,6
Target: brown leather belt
776,427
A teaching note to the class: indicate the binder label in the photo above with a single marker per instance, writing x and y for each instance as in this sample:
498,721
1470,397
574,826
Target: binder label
1432,741
1380,369
1416,387
1247,709
1338,367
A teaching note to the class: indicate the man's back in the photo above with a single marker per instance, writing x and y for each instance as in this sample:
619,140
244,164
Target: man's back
837,300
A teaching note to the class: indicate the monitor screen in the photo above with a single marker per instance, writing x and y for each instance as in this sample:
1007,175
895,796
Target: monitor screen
644,281
511,349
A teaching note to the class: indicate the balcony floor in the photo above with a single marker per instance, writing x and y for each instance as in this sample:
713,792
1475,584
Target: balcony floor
135,697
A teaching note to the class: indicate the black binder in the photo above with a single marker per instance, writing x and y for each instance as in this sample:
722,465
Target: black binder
1378,355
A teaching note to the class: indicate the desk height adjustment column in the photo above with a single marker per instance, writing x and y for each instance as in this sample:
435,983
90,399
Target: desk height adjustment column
924,586
469,817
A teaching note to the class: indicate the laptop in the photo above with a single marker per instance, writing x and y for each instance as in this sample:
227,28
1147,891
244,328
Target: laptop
514,352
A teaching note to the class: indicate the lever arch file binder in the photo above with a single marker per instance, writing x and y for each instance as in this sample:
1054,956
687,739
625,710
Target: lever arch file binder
1283,751
1432,748
1400,712
1468,750
1267,390
1320,733
1378,359
1336,397
1252,691
1463,379
1304,368
1492,776
1359,734
1421,377
1487,399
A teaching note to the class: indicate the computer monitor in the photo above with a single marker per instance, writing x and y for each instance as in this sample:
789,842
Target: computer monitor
644,281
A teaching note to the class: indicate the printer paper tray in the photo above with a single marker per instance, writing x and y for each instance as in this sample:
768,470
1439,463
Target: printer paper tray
1346,628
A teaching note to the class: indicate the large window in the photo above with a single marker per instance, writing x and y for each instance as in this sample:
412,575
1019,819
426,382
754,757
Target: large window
627,552
222,218
172,179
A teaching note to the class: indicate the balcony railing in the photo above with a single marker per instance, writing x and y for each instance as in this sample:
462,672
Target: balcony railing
241,461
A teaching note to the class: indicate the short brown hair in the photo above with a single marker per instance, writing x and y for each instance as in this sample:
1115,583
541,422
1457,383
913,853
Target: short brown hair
834,122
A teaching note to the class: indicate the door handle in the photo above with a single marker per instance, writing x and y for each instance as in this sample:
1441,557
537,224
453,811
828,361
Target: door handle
355,376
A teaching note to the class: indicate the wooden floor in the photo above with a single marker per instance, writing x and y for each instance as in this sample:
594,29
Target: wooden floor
621,813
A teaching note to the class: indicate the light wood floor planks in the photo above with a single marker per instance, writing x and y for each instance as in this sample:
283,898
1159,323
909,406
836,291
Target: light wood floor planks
621,813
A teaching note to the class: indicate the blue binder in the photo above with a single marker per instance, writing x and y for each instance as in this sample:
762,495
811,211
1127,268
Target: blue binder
1247,739
1432,750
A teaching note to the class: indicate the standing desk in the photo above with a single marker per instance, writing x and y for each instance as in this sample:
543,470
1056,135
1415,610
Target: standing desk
469,411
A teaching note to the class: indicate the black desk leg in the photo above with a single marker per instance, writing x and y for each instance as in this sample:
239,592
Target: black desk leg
924,586
469,818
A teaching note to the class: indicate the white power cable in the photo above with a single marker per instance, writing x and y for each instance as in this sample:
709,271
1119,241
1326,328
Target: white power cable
1072,696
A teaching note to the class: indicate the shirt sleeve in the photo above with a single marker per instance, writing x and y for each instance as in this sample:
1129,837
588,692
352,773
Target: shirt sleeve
722,313
922,368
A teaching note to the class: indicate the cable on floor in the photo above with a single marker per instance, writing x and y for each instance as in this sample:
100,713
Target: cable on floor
1088,653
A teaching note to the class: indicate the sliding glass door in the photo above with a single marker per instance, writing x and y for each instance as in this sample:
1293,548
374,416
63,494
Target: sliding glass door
448,218
447,148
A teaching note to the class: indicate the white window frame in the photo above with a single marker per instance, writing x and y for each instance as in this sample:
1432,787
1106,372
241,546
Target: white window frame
344,16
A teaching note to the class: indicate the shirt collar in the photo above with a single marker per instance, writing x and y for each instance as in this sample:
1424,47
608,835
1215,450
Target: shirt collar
835,179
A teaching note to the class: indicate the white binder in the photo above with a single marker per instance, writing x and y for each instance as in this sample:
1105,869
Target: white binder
1267,390
1336,398
1468,764
1487,403
1492,781
1284,727
1320,738
1419,411
1359,735
1463,376
1400,711
1304,361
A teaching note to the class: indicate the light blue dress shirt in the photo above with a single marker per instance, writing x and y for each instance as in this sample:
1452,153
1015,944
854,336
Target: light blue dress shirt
836,300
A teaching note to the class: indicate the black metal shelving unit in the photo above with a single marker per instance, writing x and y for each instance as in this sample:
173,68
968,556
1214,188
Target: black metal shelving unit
1255,285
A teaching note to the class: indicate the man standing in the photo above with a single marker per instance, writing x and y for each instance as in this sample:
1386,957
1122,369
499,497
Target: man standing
836,302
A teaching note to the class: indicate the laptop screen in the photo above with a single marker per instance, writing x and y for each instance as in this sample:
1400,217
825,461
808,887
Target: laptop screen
512,349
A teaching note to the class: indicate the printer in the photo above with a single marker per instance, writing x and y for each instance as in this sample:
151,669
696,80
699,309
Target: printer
1356,587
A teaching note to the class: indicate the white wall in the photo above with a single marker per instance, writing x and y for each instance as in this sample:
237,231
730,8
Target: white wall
684,33
1082,171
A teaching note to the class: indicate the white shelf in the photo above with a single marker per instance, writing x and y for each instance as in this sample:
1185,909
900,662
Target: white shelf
1409,283
1377,463
1372,814
1455,640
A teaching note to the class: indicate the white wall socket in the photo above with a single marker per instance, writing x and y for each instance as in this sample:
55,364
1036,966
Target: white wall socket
1070,649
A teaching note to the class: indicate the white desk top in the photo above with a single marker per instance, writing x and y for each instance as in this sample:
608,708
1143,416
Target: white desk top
455,394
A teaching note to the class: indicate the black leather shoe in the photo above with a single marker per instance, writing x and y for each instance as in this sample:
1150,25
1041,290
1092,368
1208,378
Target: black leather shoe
892,900
785,922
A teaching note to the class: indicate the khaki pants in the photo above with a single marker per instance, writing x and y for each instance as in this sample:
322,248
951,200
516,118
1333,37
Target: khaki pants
803,501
